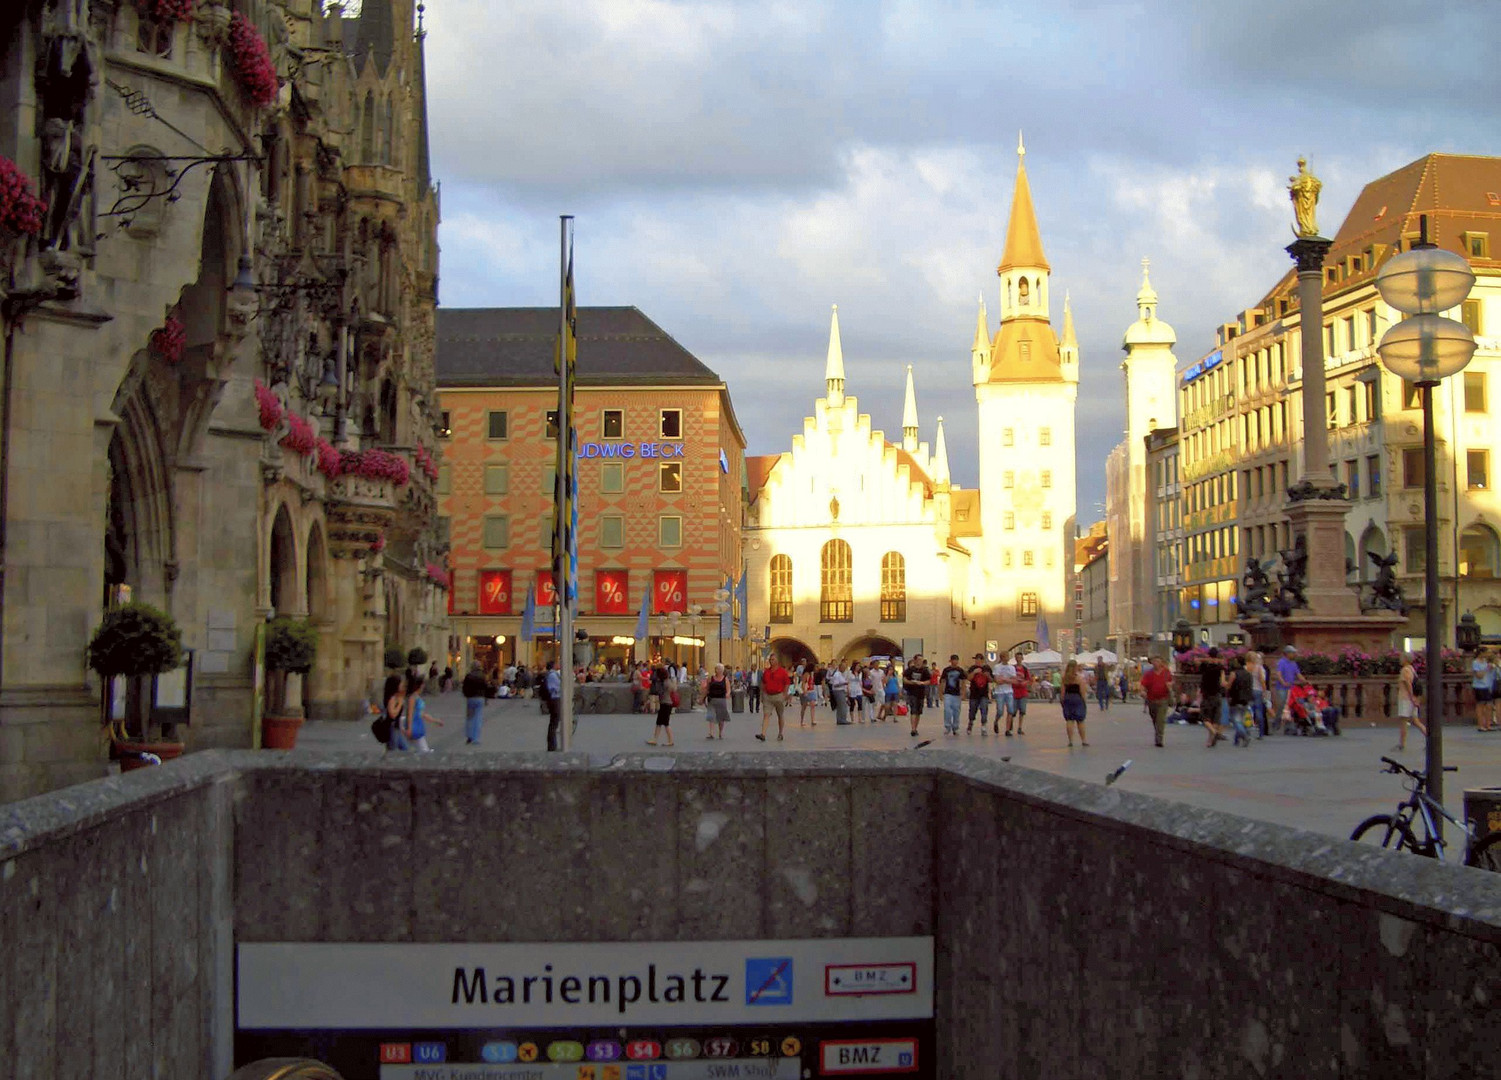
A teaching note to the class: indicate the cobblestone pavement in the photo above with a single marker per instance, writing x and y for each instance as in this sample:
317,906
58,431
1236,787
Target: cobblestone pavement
1326,785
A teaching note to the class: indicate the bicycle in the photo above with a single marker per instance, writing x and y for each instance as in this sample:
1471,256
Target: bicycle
1395,831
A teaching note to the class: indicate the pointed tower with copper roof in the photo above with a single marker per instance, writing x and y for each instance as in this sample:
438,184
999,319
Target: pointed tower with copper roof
1025,386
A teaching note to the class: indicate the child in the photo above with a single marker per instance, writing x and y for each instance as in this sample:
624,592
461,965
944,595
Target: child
416,715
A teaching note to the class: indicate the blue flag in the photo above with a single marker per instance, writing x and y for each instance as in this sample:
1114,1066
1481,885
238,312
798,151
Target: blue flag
742,598
529,615
727,616
642,630
1042,632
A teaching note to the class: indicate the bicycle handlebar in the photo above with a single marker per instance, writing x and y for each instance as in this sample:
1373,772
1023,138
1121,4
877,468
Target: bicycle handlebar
1398,767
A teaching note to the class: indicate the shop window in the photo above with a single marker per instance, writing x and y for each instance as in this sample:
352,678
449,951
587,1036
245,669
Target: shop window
612,478
497,424
497,531
670,477
670,423
612,424
781,589
836,601
497,479
611,531
893,587
670,531
1479,553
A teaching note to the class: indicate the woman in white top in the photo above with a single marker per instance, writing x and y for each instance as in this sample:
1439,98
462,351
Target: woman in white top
1258,692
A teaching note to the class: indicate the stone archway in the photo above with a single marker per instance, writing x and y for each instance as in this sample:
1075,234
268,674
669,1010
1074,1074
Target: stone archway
870,645
791,650
282,566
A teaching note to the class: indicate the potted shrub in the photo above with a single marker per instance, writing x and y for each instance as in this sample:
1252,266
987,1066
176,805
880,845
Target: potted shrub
394,658
291,645
134,641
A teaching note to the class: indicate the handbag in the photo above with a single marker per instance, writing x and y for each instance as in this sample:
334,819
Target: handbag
901,708
676,701
380,727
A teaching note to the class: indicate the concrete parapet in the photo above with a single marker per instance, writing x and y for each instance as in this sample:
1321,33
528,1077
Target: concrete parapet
1079,930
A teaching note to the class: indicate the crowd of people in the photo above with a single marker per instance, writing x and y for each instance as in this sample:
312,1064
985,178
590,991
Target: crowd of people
1241,696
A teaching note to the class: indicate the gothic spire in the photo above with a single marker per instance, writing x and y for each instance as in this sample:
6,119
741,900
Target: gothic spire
833,371
1070,341
1023,241
940,457
909,416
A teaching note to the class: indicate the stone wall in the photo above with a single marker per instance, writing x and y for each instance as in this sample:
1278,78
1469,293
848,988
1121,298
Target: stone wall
1080,930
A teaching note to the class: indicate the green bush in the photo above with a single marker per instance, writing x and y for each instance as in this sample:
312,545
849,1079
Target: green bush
417,657
394,658
135,639
291,644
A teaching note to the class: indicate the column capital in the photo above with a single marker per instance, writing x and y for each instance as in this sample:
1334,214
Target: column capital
1308,252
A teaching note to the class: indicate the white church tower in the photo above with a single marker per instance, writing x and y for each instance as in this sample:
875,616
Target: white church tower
1025,385
1151,403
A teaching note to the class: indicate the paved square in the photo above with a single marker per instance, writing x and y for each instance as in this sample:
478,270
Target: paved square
1326,785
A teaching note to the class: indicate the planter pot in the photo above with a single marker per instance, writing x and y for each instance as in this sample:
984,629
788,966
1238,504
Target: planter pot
280,732
128,754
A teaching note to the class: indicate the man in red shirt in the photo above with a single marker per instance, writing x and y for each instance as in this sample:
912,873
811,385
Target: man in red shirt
774,683
1157,688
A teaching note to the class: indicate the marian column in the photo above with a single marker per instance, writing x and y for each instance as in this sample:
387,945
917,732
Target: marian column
1325,615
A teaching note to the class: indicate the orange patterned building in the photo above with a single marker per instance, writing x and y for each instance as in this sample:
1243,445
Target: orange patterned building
661,490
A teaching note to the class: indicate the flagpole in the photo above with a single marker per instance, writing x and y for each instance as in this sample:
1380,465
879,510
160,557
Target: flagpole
561,493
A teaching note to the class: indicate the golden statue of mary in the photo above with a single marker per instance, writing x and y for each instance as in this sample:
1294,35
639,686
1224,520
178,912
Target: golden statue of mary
1303,189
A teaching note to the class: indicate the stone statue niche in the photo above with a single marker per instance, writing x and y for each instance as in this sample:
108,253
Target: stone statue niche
1386,593
66,79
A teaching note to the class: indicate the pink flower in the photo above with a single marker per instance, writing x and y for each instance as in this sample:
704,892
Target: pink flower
379,545
251,61
300,437
437,575
329,462
169,341
270,406
20,209
167,11
376,465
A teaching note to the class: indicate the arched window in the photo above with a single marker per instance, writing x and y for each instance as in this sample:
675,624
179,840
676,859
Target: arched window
836,598
1478,552
388,140
893,587
1352,561
1023,297
781,588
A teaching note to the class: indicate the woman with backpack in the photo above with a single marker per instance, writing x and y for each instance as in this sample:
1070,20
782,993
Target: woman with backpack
665,688
394,703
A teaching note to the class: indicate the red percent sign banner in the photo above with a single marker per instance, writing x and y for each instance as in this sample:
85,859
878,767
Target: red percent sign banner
612,594
547,595
495,592
669,592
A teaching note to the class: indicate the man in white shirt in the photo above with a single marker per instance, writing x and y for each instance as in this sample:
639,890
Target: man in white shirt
838,680
1004,674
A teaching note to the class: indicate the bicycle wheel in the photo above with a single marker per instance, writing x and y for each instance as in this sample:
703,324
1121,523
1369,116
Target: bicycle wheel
1485,853
1383,830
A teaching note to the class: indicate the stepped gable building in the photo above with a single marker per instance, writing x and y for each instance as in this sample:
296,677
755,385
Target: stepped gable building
1026,382
1241,413
238,259
857,545
661,486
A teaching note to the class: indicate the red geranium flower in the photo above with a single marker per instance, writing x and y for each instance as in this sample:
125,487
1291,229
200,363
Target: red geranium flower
169,341
269,404
20,209
251,60
167,11
300,437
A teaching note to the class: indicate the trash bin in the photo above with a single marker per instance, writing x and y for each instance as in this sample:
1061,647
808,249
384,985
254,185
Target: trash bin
1483,809
737,701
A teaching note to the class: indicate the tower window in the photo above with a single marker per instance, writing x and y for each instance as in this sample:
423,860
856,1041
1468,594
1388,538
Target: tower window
1023,293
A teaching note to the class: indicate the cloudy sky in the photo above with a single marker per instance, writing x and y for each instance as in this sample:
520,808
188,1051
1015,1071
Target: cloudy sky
737,167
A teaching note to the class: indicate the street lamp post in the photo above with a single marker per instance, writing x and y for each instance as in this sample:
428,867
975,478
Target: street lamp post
1425,349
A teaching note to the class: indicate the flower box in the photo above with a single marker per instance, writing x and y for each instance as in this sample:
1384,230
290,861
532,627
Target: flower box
251,62
167,12
21,209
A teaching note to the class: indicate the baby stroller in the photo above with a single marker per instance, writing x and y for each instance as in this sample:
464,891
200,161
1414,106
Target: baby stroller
1309,714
